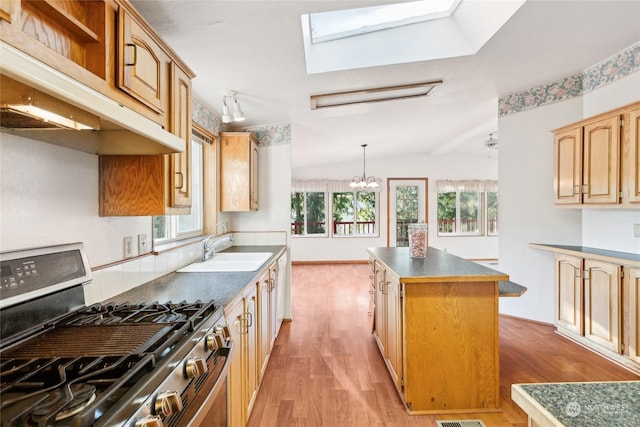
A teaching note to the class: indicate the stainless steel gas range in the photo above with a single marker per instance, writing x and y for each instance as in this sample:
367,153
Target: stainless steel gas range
135,364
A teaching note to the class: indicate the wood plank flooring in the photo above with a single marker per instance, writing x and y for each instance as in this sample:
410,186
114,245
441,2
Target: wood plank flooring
326,370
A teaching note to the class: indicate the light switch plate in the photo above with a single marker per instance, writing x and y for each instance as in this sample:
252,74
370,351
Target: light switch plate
128,247
142,243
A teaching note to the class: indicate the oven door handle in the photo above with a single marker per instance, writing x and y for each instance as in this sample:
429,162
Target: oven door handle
199,417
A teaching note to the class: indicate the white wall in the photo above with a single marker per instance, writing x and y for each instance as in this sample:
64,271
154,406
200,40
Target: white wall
274,193
526,209
49,195
416,166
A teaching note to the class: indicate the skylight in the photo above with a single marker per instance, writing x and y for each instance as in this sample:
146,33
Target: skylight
370,37
340,24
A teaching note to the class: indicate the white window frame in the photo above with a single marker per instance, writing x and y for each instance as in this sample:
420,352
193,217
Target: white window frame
329,187
172,224
471,186
376,226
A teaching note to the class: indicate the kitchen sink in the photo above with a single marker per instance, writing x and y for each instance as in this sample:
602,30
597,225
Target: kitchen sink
230,262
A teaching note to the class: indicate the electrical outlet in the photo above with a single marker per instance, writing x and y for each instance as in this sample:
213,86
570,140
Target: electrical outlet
128,247
142,243
636,230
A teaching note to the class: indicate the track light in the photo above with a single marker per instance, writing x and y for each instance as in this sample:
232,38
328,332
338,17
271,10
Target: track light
227,116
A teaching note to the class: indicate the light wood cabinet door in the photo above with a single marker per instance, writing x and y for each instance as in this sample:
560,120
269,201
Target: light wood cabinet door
569,312
180,163
142,63
394,328
381,308
602,304
601,161
264,302
631,158
251,336
567,181
634,314
273,303
237,407
238,172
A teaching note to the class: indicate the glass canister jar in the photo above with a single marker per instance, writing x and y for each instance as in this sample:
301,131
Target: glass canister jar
418,240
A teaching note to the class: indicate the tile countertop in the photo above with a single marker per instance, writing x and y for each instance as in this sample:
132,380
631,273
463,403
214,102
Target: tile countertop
437,266
222,287
589,404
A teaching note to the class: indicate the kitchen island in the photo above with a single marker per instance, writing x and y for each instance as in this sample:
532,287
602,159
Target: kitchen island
592,404
436,324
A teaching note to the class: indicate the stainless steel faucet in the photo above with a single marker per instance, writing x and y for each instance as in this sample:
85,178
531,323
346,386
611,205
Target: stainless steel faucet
210,244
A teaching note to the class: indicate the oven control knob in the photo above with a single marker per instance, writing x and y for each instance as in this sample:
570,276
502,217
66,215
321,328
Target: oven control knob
150,421
223,330
211,342
168,403
195,367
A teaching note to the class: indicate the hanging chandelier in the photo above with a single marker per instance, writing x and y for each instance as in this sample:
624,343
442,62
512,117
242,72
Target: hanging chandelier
363,181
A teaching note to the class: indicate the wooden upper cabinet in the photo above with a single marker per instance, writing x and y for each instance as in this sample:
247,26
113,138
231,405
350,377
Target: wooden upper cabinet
596,161
179,169
5,10
238,172
631,159
567,182
601,161
142,63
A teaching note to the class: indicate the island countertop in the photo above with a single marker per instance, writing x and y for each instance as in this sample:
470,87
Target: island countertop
580,404
436,267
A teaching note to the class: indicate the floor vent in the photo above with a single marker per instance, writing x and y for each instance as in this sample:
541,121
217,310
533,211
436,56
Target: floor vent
460,423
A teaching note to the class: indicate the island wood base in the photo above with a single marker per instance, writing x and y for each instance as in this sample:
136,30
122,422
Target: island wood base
451,347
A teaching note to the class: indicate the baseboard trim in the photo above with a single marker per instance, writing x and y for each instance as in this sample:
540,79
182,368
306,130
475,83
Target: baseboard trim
524,319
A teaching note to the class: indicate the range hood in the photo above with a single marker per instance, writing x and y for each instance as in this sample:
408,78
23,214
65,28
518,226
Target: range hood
94,122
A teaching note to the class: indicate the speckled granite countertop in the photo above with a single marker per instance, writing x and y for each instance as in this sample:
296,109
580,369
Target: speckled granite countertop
594,404
626,258
191,287
437,266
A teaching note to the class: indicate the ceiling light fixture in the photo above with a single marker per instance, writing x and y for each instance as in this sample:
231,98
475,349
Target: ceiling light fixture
363,181
491,144
379,94
233,113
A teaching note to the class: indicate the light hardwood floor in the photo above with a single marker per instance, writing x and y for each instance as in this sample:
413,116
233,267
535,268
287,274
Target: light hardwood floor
325,369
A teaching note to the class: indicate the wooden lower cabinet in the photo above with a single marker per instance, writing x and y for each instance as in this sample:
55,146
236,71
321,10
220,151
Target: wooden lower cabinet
569,313
243,371
234,318
264,308
601,304
253,323
598,305
632,276
393,289
388,321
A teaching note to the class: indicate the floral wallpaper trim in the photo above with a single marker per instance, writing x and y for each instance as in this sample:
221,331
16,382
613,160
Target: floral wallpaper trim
275,134
267,134
611,69
205,118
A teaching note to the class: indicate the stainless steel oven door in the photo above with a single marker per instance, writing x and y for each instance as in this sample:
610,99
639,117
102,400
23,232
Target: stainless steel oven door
215,409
